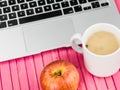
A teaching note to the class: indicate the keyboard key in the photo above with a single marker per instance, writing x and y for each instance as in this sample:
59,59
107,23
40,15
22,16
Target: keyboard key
68,10
91,0
6,10
12,2
50,1
21,13
3,24
0,11
41,2
30,11
65,4
78,8
15,8
12,15
28,0
95,4
47,8
40,16
87,8
104,4
12,22
3,17
59,0
33,4
56,6
24,6
3,3
38,10
73,2
82,1
20,1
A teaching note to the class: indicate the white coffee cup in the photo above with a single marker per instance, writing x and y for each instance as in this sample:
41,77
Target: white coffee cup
98,65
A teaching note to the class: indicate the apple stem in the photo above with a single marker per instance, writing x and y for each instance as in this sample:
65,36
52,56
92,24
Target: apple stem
59,73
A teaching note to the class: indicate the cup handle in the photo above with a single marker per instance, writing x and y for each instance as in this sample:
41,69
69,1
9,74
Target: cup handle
74,42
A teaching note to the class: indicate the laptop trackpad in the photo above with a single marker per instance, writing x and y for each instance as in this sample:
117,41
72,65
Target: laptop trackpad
48,35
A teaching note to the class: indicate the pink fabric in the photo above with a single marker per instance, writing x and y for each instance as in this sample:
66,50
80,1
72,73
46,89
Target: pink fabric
24,73
118,4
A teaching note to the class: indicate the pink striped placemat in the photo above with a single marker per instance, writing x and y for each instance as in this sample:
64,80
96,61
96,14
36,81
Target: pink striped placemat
24,73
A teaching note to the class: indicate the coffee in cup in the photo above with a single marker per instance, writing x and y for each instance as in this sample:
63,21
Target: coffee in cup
102,43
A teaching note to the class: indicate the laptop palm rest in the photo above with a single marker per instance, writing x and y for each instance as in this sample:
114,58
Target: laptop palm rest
48,35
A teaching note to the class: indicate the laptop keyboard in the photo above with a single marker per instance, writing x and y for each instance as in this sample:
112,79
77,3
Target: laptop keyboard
16,12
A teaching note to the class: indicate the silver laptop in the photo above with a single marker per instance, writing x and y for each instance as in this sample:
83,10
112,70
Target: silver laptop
31,26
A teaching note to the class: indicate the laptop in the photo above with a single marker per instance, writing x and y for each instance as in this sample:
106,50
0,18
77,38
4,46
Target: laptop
29,27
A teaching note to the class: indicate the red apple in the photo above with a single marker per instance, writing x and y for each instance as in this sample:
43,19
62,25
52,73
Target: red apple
59,75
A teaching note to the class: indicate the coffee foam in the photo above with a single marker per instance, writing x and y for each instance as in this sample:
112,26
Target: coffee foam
102,43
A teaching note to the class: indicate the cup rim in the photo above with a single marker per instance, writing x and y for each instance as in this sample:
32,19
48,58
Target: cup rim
98,55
